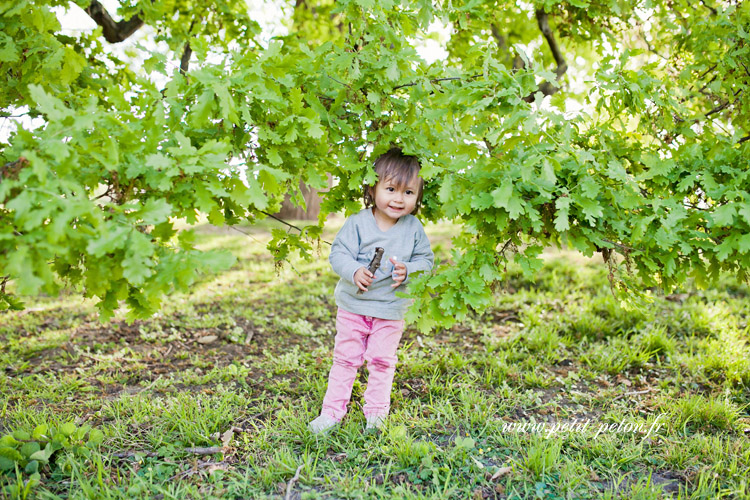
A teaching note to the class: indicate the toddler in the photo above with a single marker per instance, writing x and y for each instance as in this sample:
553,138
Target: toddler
369,325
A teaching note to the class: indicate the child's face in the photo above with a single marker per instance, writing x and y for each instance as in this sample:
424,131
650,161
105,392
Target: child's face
395,201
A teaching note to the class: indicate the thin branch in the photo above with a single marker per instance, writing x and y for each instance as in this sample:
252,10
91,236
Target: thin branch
713,10
131,454
211,450
620,245
290,485
436,80
114,32
547,88
746,138
185,60
339,82
291,226
499,38
724,105
12,168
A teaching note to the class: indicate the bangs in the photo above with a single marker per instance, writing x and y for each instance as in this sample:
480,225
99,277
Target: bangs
398,168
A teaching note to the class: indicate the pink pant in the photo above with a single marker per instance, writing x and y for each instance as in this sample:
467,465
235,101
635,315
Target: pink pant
362,338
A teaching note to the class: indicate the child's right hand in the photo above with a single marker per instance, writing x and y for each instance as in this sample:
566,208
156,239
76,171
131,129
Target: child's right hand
363,278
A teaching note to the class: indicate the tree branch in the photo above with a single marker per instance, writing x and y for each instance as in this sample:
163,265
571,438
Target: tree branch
547,88
12,168
290,226
436,80
114,32
185,60
499,38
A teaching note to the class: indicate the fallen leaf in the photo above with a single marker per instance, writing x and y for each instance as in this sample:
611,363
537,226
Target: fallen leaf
207,339
227,437
500,473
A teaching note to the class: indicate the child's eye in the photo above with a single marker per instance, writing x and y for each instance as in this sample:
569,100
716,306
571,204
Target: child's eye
390,189
409,191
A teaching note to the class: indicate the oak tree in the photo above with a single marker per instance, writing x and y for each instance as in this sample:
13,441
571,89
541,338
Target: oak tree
607,126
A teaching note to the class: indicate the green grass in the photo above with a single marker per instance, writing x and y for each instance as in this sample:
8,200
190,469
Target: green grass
553,350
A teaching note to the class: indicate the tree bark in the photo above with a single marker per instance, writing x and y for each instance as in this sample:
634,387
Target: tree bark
114,32
312,202
547,88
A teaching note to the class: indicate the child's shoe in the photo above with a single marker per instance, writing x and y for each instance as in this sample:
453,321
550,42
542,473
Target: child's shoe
322,423
375,422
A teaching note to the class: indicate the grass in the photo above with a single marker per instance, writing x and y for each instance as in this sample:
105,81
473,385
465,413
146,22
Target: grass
239,367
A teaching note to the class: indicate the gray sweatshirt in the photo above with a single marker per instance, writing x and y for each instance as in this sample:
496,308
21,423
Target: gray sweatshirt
354,247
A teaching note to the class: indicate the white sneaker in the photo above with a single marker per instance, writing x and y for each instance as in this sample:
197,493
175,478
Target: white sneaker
375,421
322,423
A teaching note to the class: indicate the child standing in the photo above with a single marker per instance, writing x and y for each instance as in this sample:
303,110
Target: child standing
369,325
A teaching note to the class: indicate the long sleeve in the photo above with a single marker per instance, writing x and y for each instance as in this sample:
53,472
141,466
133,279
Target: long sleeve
344,250
422,258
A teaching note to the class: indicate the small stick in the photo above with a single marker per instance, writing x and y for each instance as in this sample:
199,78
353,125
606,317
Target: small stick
374,264
290,485
205,451
632,393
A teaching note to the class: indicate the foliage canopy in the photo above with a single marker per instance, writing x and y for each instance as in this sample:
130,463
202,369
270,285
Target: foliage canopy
654,165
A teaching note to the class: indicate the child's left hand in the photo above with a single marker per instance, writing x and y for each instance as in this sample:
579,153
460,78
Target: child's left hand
399,272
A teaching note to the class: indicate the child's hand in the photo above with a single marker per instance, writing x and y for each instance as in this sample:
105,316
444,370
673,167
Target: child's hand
363,278
399,272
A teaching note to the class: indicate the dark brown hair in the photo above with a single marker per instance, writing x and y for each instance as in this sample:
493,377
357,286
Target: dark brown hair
399,169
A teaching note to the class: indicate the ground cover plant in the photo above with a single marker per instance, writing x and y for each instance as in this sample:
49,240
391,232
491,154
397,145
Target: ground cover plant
210,398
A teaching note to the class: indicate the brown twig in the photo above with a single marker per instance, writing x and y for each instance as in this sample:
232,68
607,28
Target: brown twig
620,245
12,168
291,482
211,450
436,80
131,454
185,59
291,226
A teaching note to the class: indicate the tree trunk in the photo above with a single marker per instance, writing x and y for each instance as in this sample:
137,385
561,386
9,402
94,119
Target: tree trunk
312,201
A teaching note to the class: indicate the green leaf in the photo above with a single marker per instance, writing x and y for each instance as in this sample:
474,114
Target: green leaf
29,449
39,431
505,197
42,455
21,435
724,215
67,429
392,73
11,454
96,436
561,215
32,467
8,49
7,463
314,129
591,209
155,211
